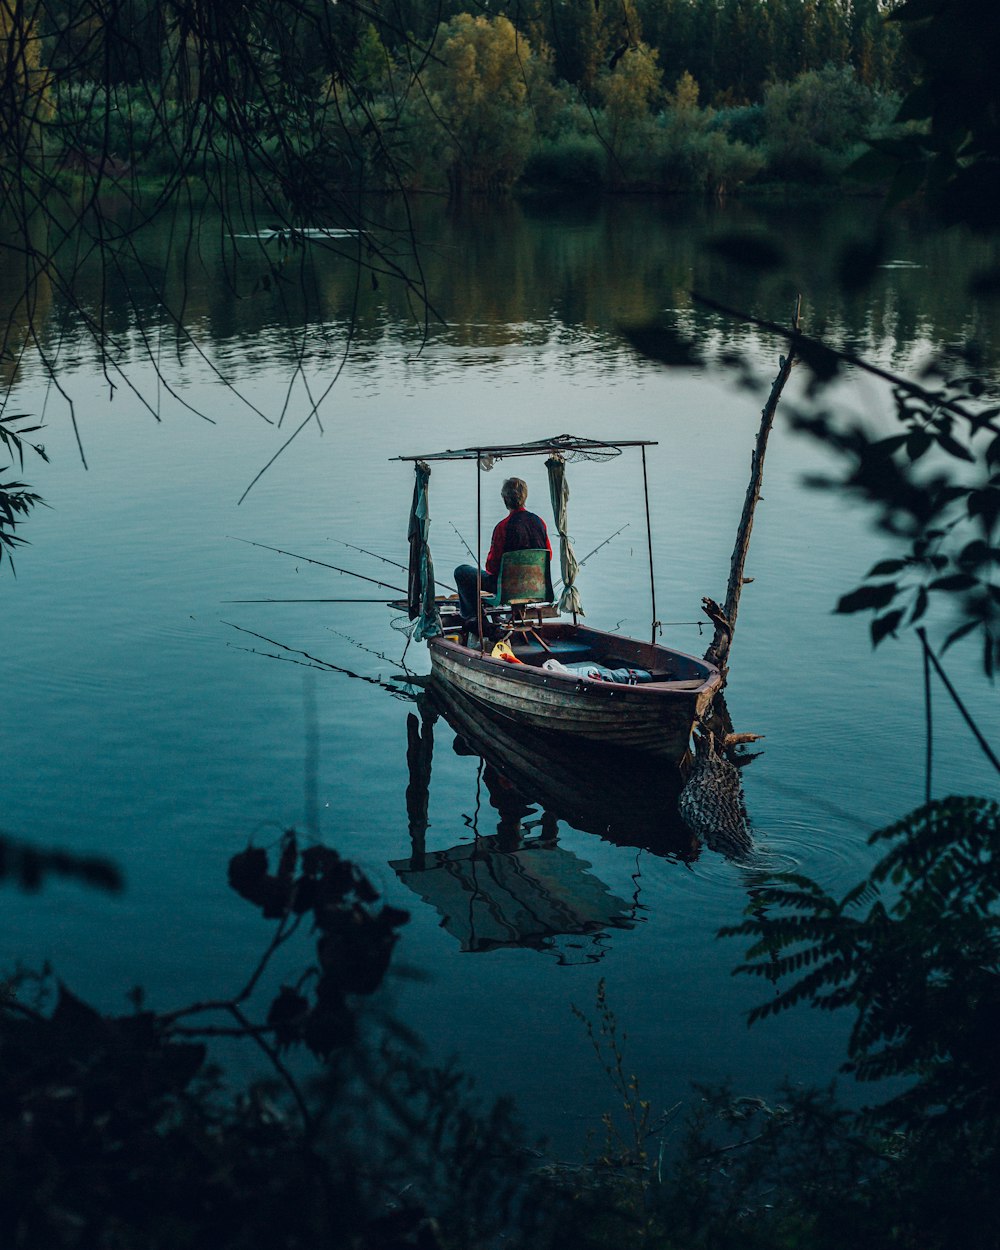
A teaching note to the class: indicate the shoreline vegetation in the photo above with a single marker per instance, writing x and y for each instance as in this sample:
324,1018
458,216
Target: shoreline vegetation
670,98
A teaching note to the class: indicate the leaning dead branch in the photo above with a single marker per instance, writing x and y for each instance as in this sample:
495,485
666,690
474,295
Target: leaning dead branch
724,617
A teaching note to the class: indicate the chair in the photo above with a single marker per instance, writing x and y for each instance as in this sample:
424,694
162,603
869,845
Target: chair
524,593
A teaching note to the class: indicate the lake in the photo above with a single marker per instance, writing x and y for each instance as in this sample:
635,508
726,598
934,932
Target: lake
159,712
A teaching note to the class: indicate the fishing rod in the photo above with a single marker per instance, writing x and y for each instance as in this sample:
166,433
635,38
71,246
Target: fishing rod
464,543
383,601
385,559
312,661
603,544
581,563
321,563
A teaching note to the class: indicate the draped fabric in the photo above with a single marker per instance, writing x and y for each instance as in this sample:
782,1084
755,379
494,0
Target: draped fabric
420,583
569,600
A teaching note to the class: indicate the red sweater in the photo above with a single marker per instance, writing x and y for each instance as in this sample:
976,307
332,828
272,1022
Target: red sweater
520,530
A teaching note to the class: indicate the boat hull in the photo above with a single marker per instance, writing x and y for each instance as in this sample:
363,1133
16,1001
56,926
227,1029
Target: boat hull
655,718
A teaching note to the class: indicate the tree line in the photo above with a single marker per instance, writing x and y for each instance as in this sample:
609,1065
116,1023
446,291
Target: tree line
305,99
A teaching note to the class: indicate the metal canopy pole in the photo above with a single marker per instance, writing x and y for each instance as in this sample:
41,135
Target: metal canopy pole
649,541
479,550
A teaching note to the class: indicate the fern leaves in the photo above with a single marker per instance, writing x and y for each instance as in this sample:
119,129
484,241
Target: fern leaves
914,949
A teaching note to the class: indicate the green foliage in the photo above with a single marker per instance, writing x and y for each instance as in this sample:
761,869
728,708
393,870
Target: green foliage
16,499
473,106
948,515
692,156
119,125
628,92
118,1131
572,161
954,158
743,125
812,125
920,967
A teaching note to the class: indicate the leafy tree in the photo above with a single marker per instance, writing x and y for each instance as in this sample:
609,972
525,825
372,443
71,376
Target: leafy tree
628,93
23,87
588,38
474,106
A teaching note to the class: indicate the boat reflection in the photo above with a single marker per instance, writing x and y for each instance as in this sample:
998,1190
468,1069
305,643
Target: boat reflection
518,886
623,796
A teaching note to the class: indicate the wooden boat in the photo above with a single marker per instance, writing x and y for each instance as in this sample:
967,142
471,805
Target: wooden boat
655,717
639,696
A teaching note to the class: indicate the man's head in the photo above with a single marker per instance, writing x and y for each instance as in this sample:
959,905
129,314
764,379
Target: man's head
514,492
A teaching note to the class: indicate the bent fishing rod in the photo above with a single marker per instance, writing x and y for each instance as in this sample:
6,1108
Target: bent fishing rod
323,564
385,560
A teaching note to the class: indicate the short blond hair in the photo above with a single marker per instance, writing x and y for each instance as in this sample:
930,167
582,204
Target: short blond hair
514,492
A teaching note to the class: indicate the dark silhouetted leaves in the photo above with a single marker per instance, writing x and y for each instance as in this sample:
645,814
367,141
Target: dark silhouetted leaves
859,262
985,285
965,628
954,581
885,625
823,363
355,943
921,601
28,866
985,504
287,1015
952,447
919,972
885,567
115,1131
918,442
753,251
665,345
879,596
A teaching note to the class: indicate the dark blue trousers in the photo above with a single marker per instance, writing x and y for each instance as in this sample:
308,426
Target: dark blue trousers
465,584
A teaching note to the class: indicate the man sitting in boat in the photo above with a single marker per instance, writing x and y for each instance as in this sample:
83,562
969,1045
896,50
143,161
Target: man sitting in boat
520,530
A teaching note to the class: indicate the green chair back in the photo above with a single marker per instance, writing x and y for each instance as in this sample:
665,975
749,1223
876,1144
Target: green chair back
524,578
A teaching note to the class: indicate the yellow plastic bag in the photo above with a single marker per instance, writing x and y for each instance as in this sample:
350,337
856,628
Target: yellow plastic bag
502,651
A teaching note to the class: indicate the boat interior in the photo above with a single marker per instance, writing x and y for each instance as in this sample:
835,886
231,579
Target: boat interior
535,642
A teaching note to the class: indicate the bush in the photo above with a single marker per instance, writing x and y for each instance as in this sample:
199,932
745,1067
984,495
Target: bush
812,124
574,161
742,125
690,155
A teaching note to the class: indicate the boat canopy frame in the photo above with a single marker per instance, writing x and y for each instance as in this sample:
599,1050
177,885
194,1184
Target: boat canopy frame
559,449
570,446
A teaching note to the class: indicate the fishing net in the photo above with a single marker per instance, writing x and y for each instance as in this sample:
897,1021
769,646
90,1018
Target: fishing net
597,452
570,446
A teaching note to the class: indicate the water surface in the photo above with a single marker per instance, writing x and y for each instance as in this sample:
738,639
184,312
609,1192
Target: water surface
153,715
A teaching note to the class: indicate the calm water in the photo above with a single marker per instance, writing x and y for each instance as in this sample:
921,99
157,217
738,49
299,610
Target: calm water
145,721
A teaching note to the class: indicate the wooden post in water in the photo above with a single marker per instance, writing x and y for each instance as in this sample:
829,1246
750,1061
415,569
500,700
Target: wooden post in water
724,617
